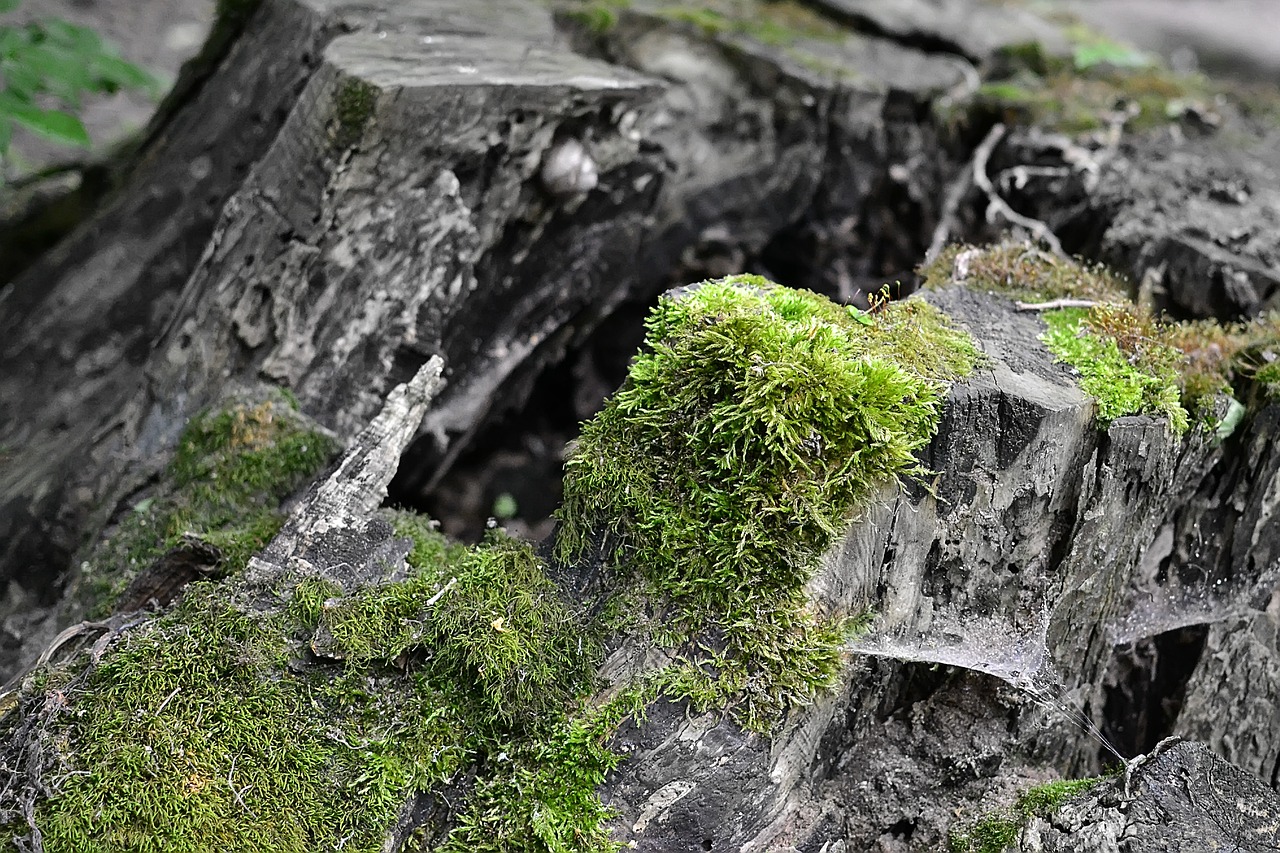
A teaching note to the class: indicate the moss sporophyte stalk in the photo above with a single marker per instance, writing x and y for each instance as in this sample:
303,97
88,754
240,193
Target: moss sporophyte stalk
304,716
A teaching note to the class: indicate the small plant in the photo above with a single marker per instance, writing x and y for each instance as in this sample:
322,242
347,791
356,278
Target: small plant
47,68
993,832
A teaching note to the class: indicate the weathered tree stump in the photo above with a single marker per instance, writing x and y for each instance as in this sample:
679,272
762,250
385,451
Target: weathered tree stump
401,213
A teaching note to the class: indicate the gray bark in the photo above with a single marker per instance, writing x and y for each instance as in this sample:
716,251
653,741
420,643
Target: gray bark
1183,798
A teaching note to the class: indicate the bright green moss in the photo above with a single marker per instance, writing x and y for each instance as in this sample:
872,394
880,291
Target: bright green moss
988,834
230,473
191,735
490,617
1120,386
195,733
1130,359
539,794
756,424
994,832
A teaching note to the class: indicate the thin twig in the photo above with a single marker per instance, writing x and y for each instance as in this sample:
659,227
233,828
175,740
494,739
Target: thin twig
66,636
160,710
1056,303
433,599
998,205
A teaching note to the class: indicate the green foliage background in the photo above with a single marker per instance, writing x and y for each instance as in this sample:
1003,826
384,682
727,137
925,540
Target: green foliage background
47,68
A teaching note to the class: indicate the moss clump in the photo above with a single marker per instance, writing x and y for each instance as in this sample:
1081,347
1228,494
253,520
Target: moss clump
1132,360
304,719
1021,271
355,104
196,733
741,443
781,23
191,735
1148,384
996,831
1268,375
598,16
232,470
1082,90
490,616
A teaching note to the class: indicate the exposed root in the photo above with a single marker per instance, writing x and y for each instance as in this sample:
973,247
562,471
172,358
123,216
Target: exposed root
997,206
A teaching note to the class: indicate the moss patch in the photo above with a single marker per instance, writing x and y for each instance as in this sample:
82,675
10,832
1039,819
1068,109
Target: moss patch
800,32
1023,272
781,23
224,487
1084,89
191,736
996,831
1148,384
304,719
354,107
212,728
597,16
1132,360
757,423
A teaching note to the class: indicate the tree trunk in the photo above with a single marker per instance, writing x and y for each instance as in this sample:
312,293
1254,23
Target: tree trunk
403,214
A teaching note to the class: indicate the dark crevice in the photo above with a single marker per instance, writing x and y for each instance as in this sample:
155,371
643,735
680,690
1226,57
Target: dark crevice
511,468
926,42
1145,686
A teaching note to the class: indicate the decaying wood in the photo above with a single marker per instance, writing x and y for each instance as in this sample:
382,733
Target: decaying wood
402,211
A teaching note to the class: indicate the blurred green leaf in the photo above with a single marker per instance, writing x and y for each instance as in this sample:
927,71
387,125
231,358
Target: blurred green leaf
51,124
46,70
1107,52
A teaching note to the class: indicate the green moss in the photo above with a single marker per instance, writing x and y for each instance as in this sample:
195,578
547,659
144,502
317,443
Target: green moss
758,422
356,102
994,832
1023,272
781,23
1130,359
195,733
598,16
230,473
1269,373
540,795
192,736
1120,386
1080,91
491,617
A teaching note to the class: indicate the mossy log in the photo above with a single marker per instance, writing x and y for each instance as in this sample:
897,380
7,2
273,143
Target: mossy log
358,191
